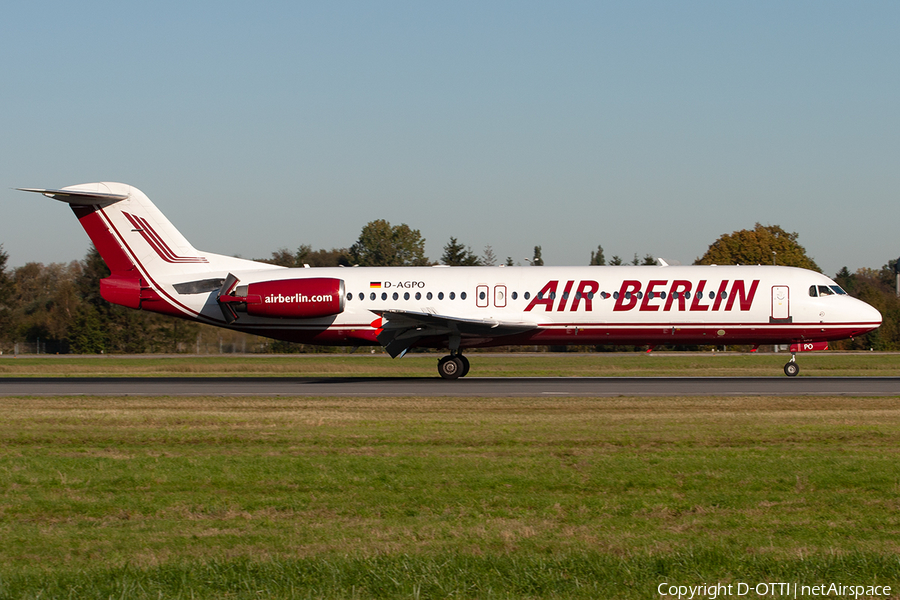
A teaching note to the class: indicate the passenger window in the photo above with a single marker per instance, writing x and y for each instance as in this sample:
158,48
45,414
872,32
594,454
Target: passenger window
712,295
687,295
453,295
724,294
428,296
406,296
349,296
418,295
527,295
396,296
481,295
440,295
384,295
615,295
462,295
372,296
515,295
362,296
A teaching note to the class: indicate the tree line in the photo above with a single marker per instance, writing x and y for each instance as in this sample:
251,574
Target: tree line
57,308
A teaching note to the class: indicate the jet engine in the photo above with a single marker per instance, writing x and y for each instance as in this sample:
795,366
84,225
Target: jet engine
307,298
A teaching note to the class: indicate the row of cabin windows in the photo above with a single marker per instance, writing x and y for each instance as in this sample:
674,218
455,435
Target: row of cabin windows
565,295
406,296
628,295
662,295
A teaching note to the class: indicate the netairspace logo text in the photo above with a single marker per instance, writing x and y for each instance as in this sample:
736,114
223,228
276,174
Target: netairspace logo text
770,590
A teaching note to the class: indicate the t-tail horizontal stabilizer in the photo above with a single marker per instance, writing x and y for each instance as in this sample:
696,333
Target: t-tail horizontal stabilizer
79,197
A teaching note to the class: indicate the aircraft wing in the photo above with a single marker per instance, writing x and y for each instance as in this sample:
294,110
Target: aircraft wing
402,328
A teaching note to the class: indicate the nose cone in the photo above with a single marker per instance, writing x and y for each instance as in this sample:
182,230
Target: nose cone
871,314
866,314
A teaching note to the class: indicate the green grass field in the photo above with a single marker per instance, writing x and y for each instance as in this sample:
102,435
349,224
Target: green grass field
443,498
547,364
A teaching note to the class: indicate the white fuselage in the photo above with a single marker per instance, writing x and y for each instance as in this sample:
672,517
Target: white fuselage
575,305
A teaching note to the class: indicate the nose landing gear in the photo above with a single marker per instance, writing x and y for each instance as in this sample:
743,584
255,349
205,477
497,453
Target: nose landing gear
453,366
792,368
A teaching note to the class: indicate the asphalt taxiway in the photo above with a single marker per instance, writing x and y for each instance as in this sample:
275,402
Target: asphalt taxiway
434,387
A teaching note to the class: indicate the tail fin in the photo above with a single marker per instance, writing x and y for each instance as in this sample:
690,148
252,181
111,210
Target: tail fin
138,243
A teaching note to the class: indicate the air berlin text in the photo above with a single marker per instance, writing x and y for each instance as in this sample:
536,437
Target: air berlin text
653,295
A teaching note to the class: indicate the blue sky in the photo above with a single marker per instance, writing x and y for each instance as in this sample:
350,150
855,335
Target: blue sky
647,127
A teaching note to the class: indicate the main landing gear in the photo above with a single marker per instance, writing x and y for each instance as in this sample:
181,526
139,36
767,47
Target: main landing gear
792,368
453,366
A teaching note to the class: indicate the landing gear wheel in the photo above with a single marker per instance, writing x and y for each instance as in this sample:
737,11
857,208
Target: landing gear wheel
465,365
791,369
450,367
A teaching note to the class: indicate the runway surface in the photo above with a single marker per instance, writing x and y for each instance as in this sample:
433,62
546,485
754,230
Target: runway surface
476,386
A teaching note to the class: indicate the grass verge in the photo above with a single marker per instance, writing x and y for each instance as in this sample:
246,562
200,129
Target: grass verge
439,498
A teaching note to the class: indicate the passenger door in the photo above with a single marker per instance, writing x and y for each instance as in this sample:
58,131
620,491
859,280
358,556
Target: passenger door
781,303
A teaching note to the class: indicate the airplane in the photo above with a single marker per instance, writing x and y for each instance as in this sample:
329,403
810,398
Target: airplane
154,268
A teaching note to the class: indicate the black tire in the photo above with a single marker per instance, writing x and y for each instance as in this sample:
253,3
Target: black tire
450,367
465,365
791,369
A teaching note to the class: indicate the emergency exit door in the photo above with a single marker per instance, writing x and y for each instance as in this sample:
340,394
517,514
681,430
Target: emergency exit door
481,296
500,296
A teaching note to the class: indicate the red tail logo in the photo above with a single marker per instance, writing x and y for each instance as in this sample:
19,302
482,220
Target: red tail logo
156,242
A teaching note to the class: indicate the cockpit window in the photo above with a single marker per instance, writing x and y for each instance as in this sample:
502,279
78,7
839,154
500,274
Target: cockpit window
826,290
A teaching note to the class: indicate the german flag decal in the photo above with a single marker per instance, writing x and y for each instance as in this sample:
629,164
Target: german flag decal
375,285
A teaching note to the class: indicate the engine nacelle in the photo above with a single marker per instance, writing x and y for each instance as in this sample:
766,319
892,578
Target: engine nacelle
307,298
